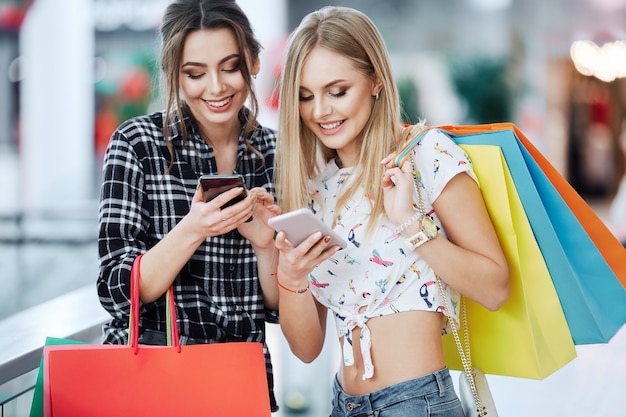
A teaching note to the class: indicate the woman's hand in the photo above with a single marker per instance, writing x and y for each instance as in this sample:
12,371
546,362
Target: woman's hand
163,262
302,318
257,230
207,219
398,190
295,263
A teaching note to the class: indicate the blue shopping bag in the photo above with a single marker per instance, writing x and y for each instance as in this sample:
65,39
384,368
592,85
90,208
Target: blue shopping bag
590,291
593,299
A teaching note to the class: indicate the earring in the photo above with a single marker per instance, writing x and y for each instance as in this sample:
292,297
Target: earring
377,96
254,76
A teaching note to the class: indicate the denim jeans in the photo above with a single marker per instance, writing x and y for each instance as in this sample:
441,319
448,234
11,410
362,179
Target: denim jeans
431,395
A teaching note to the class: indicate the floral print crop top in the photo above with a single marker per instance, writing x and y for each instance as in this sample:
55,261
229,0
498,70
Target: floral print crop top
380,275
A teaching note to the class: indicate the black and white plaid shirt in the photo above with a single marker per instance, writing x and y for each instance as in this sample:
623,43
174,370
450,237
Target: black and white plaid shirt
217,293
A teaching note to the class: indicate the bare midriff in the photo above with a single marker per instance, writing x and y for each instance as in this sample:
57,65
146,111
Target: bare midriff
405,346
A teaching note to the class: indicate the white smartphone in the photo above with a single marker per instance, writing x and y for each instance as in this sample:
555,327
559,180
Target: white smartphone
302,223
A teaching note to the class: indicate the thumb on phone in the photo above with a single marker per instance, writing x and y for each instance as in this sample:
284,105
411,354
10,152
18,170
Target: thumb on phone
198,196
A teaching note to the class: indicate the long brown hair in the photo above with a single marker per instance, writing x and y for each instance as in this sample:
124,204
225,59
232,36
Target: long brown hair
180,19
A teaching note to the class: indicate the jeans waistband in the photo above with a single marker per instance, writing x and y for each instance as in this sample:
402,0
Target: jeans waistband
437,381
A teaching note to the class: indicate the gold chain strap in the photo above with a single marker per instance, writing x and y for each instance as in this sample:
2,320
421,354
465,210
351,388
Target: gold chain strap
465,354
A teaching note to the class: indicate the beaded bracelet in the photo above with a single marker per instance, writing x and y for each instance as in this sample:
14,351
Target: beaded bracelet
293,291
407,223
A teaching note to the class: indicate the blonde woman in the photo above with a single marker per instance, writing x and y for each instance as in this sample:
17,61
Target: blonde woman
339,105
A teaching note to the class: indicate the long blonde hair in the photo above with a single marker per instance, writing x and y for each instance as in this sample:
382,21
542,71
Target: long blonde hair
352,34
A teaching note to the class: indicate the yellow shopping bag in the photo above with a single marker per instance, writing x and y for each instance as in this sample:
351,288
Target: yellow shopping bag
529,336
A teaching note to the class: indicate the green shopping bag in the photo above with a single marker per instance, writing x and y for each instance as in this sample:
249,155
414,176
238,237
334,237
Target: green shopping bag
36,408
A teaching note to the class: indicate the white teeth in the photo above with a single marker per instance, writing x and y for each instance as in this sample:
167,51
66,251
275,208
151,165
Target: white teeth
330,126
219,103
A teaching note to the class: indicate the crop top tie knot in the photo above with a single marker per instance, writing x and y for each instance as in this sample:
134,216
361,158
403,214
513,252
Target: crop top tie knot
365,342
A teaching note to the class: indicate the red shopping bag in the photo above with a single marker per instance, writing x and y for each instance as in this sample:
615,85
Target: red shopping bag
221,379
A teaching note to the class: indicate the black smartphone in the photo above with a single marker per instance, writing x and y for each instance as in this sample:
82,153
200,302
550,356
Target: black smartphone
214,185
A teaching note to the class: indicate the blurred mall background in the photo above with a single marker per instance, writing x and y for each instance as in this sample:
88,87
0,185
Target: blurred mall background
72,70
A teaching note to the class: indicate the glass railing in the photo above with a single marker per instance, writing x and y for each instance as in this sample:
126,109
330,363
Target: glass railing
76,315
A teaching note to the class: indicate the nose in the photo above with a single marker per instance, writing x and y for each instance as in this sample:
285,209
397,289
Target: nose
321,108
215,85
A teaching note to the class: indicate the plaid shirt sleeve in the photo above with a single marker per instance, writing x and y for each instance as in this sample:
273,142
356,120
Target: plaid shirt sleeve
122,229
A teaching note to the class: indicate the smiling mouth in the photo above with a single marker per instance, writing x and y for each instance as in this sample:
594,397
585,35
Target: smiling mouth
220,103
329,126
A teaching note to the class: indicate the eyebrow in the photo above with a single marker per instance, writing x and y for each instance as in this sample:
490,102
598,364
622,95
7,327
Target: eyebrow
200,64
327,85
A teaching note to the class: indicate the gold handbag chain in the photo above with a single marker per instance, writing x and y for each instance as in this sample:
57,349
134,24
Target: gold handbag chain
466,358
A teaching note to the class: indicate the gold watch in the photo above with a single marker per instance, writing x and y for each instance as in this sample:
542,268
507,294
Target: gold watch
428,231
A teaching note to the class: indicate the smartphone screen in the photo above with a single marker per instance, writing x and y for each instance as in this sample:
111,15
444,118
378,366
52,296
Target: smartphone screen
214,185
300,224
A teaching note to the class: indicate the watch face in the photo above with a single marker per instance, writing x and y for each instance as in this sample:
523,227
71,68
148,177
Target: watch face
430,227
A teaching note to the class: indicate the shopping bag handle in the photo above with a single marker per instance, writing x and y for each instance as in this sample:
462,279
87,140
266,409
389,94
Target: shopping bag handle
413,134
172,325
408,142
